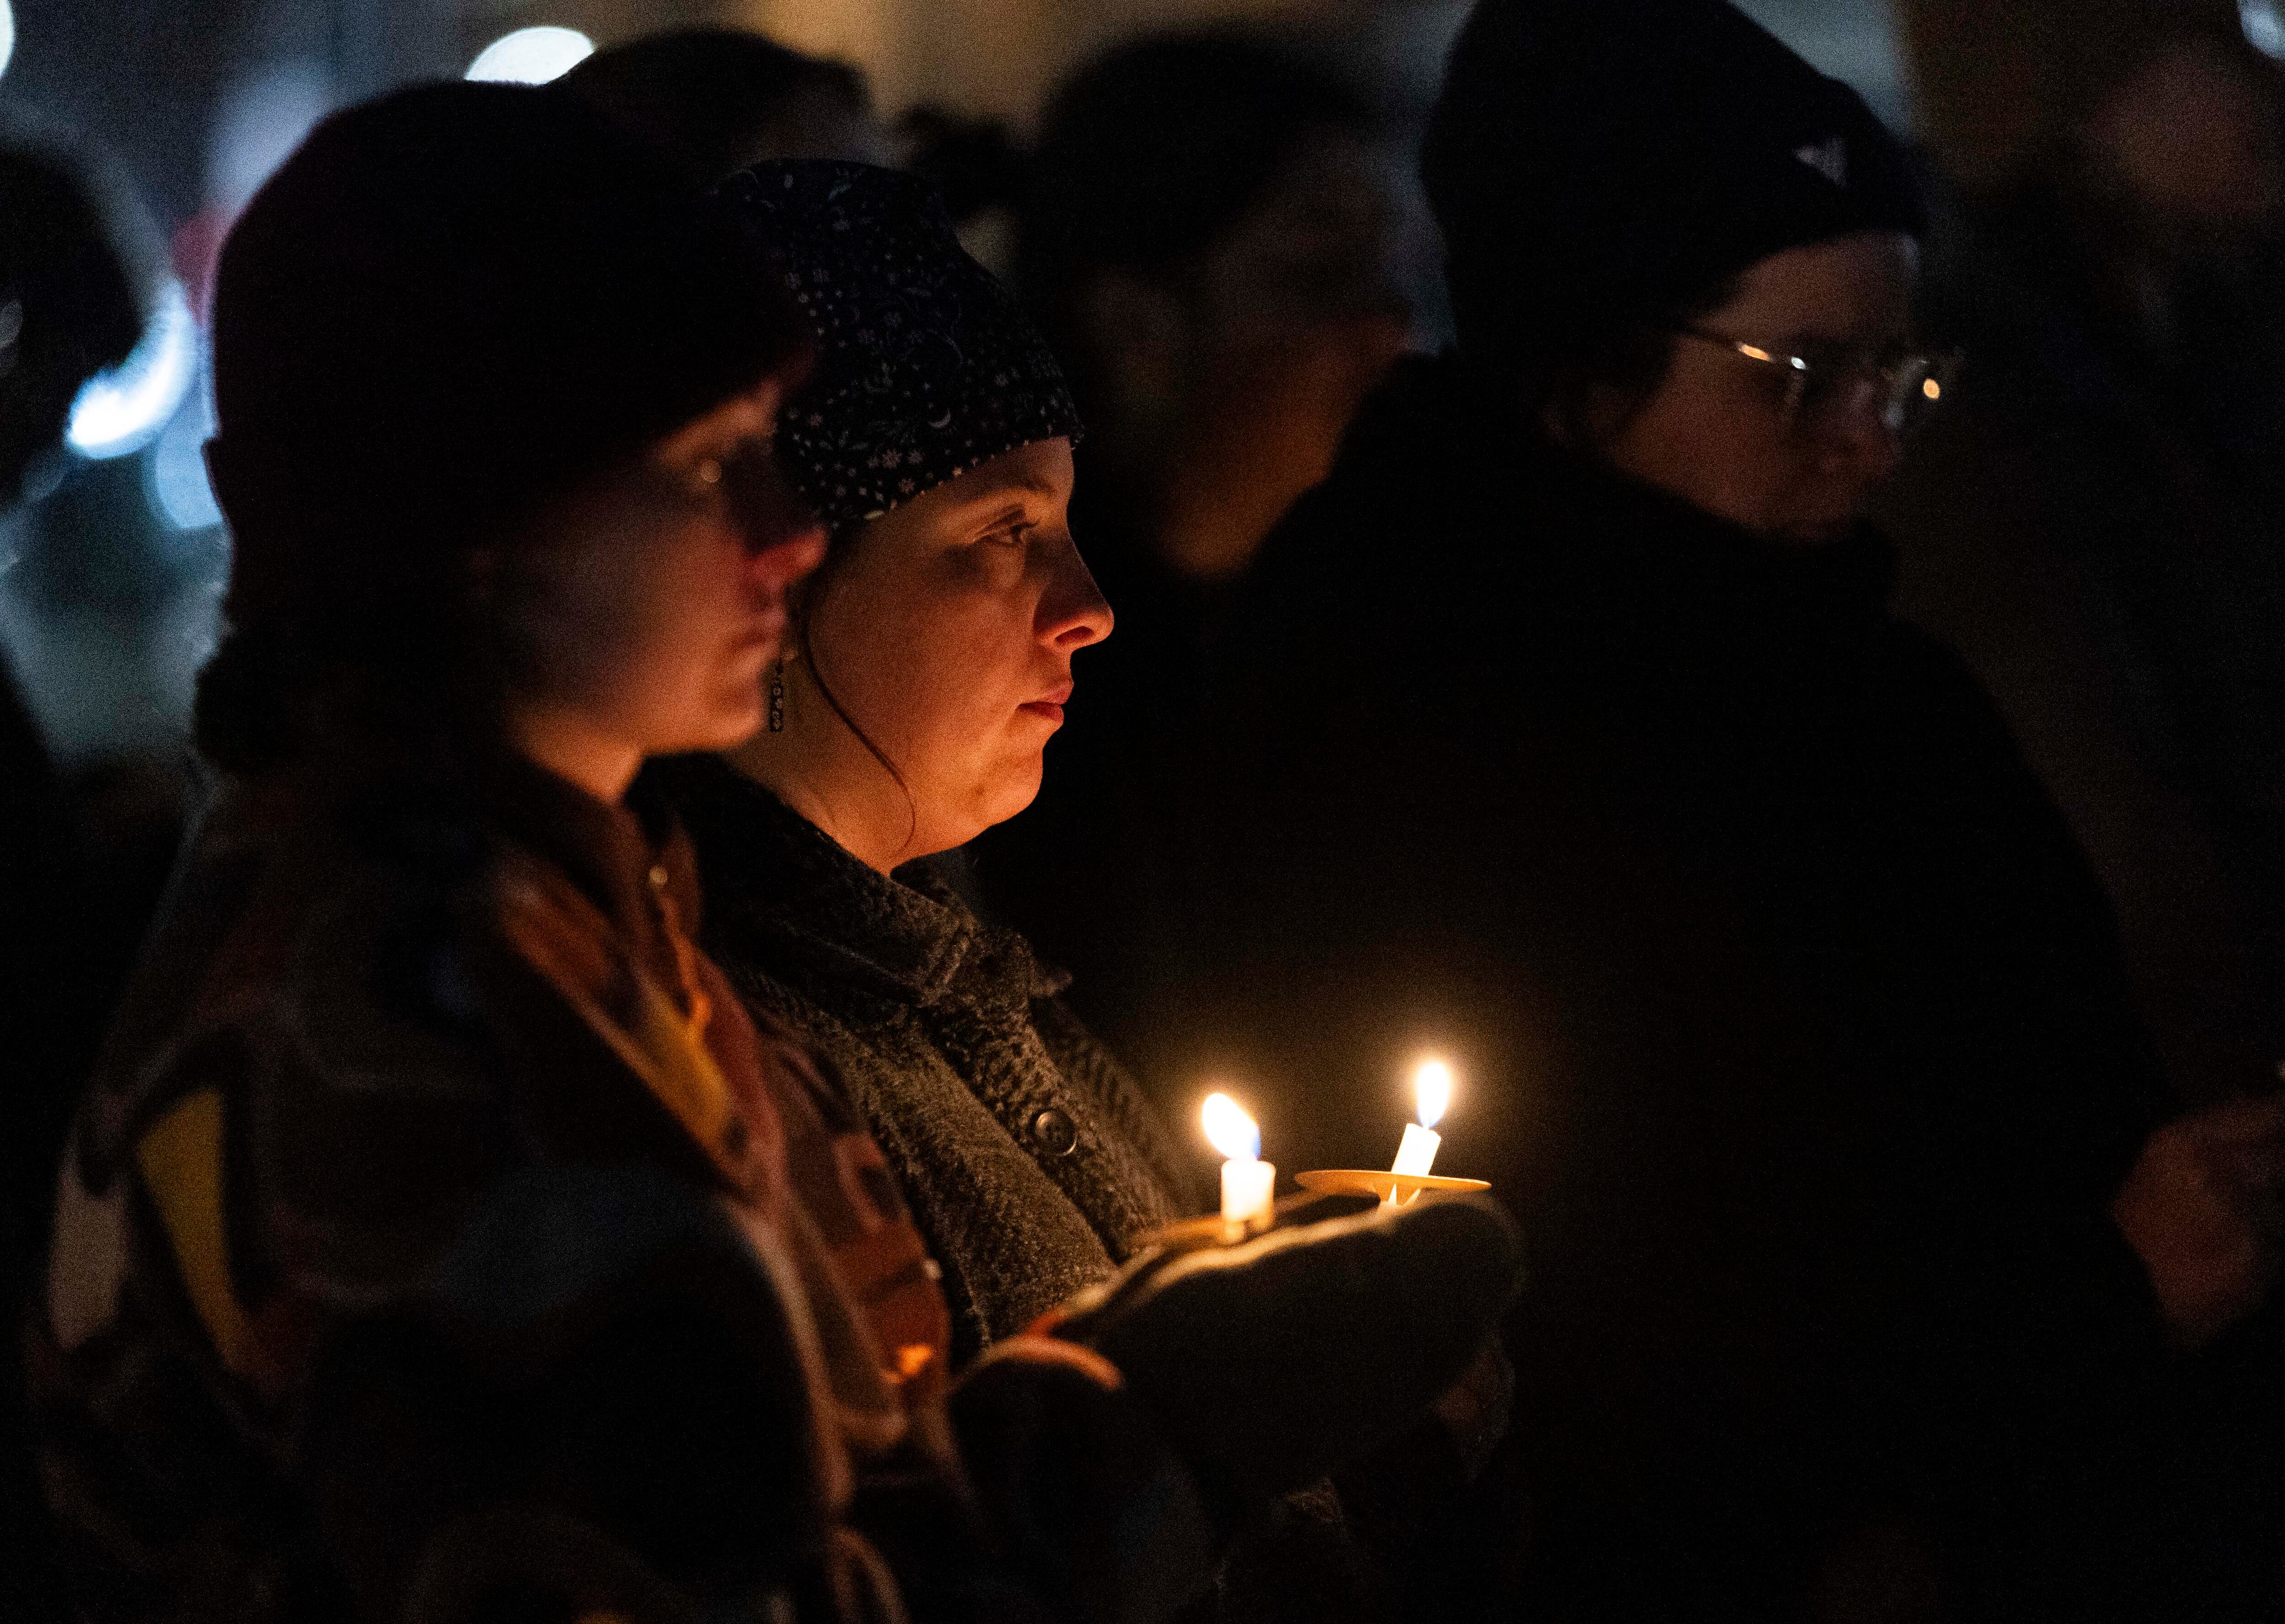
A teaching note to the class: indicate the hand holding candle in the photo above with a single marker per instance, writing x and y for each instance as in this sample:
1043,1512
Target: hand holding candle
1247,1179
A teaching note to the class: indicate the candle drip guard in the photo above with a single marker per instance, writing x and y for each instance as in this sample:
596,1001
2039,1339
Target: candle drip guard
1333,1193
1393,1189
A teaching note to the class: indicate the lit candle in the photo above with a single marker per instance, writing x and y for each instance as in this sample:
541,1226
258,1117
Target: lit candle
1432,1092
1247,1179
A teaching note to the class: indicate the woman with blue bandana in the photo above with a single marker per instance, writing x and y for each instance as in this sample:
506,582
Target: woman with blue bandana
927,667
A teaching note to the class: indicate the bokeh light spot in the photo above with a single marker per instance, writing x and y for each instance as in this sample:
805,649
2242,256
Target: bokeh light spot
118,411
532,56
179,487
2264,25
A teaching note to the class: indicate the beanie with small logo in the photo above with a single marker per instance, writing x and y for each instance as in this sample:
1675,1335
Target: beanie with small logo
1600,160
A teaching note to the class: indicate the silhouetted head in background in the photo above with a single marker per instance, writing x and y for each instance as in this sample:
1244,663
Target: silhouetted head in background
1676,246
2163,98
460,337
718,100
68,305
1209,233
2116,144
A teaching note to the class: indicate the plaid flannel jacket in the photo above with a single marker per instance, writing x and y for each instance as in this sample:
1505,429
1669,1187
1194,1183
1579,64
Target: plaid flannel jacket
441,1240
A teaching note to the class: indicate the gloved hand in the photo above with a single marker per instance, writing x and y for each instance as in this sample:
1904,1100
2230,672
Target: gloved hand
1096,1513
1270,1363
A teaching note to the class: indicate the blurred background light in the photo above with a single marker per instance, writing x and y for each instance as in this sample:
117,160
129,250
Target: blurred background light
119,410
2264,25
179,489
7,34
532,56
260,117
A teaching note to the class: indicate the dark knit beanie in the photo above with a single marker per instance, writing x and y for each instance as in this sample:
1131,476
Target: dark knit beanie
1594,162
925,366
449,305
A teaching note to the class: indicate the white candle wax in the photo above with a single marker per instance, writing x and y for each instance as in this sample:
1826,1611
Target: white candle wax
1246,1183
1417,1154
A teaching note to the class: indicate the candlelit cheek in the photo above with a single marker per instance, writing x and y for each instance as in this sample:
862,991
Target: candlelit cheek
933,670
645,612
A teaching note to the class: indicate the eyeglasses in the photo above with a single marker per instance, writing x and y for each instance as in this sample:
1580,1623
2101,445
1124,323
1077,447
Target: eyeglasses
1897,387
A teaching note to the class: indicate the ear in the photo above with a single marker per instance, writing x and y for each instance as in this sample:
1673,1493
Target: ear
249,501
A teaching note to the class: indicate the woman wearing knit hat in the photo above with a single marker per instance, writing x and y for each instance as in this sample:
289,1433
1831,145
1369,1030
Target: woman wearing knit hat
495,408
1866,1267
441,1241
931,659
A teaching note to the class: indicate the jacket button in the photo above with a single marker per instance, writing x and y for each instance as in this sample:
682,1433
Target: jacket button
1055,1132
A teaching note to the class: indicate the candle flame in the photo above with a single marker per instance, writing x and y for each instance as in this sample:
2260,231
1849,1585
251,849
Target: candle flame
1232,1132
1431,1090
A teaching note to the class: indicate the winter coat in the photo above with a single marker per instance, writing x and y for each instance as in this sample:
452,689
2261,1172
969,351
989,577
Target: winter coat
1028,1157
442,1240
1031,1162
1790,1024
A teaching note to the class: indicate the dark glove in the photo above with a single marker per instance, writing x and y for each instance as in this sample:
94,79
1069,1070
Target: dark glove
1092,1508
1270,1363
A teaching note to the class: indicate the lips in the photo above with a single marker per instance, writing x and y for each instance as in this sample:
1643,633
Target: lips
1051,708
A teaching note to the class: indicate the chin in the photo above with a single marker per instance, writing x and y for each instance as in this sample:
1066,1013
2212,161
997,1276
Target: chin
1010,793
729,727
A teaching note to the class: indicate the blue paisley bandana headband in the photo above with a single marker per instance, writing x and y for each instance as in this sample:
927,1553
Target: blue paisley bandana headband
926,367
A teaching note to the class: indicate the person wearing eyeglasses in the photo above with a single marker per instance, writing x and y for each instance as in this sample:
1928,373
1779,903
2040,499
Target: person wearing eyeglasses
1569,731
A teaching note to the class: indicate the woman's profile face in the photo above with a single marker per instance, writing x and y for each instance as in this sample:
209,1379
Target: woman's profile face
1716,433
946,633
651,602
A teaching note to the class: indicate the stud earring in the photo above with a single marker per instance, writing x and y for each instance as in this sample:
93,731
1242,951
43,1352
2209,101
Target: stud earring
777,696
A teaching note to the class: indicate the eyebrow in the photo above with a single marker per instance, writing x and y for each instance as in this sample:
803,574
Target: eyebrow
1038,485
1005,487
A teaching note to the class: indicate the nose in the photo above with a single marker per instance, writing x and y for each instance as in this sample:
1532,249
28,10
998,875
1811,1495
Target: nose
777,567
1073,612
783,538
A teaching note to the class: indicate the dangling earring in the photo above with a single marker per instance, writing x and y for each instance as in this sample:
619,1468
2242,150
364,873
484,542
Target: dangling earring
777,696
